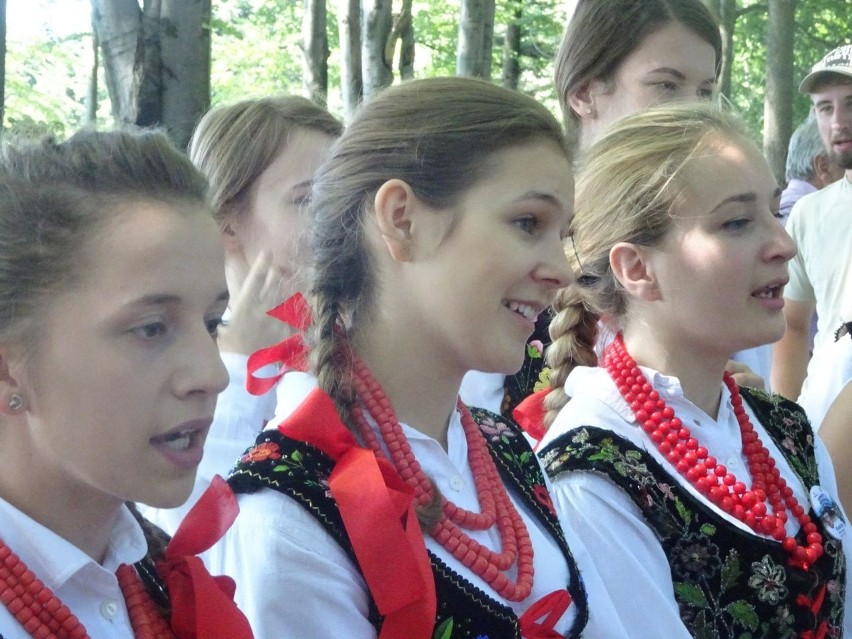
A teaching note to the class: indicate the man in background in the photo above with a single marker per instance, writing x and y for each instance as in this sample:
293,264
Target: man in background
821,225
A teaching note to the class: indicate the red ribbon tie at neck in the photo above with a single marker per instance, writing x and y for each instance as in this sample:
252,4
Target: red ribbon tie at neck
203,605
529,414
540,619
377,508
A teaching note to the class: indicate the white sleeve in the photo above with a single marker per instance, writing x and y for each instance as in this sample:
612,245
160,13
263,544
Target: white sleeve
293,580
619,550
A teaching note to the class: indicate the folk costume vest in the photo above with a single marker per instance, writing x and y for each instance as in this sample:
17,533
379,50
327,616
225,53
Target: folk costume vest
727,582
303,472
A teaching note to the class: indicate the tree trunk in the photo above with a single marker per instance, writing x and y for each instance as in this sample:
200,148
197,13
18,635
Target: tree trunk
92,90
728,20
184,37
349,26
118,24
2,62
512,49
156,61
375,67
403,30
476,31
778,103
315,50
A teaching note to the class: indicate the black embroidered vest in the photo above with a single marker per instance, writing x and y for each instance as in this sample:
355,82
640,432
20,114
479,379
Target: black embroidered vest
728,583
301,471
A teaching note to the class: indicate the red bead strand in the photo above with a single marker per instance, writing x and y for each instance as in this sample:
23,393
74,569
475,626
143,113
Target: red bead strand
44,616
495,506
764,507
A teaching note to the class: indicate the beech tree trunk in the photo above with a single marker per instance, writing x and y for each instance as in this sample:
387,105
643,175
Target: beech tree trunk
780,83
512,49
185,65
376,69
2,62
118,25
349,27
156,61
92,89
402,31
476,33
315,50
728,19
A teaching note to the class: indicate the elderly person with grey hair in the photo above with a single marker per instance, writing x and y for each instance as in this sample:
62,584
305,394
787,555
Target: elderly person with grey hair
808,167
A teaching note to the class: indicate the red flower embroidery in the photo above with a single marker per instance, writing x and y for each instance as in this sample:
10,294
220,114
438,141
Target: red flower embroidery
543,498
262,452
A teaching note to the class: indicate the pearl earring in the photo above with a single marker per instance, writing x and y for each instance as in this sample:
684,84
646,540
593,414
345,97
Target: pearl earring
16,402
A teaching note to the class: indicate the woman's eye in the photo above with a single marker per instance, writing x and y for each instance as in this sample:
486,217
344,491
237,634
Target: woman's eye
152,330
213,326
704,94
736,225
667,86
527,224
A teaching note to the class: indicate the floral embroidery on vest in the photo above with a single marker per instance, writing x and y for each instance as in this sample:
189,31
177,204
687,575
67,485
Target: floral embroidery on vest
464,611
533,374
728,583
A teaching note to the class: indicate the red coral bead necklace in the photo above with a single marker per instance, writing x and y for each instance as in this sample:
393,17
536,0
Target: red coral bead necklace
44,616
764,507
496,507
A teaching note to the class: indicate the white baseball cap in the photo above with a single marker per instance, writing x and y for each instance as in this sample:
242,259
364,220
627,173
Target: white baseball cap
838,61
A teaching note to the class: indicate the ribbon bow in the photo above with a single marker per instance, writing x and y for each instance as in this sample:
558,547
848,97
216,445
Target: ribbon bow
814,606
551,607
529,414
377,508
291,353
202,605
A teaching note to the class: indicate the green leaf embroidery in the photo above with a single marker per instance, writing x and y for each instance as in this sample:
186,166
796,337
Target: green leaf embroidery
297,456
444,631
532,352
744,613
683,511
691,594
731,570
280,469
708,529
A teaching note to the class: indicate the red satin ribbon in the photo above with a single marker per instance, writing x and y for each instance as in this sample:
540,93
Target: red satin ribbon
814,605
377,508
290,354
529,414
551,607
202,605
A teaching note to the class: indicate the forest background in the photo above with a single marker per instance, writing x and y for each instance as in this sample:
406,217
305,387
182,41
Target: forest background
97,62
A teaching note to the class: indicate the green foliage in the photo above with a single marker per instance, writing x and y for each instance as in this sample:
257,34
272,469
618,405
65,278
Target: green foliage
821,25
256,49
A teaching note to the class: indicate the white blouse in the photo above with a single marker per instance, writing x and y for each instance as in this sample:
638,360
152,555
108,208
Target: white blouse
622,547
88,588
294,580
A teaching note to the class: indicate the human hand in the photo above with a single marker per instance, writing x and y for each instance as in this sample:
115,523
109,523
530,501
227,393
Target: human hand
248,327
744,376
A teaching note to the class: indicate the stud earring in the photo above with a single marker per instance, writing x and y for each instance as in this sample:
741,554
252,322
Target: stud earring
16,402
588,111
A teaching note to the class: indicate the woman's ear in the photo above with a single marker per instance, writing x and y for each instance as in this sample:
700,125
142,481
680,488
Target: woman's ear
584,100
231,239
395,204
633,268
12,398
